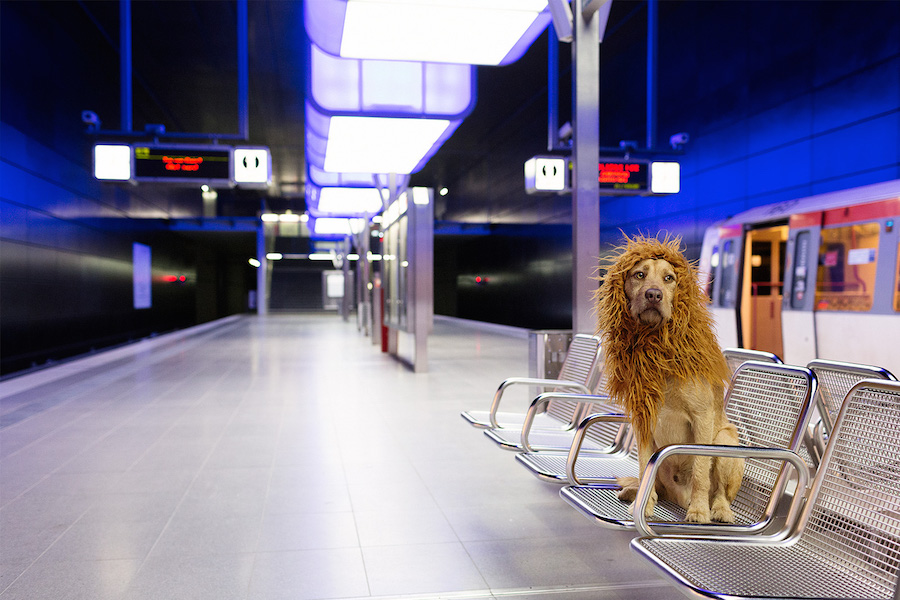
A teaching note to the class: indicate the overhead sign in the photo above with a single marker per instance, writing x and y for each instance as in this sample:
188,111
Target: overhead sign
216,165
623,177
177,163
546,174
638,178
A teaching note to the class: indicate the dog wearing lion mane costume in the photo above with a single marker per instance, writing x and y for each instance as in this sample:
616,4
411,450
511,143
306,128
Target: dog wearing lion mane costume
664,365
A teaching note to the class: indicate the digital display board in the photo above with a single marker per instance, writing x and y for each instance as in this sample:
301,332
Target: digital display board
181,163
623,177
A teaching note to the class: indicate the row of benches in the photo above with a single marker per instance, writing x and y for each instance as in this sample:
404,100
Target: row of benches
818,512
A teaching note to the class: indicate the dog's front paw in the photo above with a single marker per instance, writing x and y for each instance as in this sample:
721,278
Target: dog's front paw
722,512
697,514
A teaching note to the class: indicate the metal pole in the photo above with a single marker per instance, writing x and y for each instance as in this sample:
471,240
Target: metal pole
585,158
243,60
125,64
552,89
652,11
262,298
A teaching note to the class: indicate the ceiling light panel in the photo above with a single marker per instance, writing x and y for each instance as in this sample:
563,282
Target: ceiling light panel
482,32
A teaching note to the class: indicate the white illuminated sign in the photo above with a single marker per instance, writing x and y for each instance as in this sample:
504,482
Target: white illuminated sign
545,174
252,165
665,178
112,162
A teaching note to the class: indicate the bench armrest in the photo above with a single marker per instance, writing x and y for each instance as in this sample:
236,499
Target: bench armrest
546,383
580,434
542,400
649,478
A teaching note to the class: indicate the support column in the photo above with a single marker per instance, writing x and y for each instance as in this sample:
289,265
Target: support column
262,279
585,158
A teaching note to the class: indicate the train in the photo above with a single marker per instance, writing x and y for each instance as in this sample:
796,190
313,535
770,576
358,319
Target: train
812,277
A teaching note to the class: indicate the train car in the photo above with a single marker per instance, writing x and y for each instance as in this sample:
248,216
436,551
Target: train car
814,277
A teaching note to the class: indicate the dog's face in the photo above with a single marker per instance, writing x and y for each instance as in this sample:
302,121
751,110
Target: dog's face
650,288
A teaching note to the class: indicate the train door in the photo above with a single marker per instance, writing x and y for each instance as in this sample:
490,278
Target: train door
720,258
798,317
761,288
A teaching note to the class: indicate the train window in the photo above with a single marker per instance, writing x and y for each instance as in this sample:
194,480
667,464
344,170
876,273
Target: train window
801,254
846,275
897,283
728,271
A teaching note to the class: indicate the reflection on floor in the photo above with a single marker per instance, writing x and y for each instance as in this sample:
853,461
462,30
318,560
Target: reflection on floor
285,457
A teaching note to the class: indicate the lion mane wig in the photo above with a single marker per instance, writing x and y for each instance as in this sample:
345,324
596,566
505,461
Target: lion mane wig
640,358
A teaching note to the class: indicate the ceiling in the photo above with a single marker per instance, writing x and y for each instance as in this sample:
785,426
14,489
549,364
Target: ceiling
185,78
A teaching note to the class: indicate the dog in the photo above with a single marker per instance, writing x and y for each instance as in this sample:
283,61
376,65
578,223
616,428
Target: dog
664,366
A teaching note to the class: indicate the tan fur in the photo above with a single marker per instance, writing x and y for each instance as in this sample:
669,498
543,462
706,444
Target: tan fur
664,365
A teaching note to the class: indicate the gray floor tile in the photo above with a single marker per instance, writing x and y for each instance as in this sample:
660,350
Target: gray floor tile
286,457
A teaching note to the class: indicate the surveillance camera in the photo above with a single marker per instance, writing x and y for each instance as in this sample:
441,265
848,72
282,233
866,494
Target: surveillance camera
89,117
565,132
628,145
679,139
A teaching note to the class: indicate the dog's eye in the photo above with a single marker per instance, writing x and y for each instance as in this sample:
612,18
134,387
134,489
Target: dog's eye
669,278
639,275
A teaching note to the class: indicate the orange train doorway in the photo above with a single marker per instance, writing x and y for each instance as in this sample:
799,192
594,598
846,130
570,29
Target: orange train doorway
761,290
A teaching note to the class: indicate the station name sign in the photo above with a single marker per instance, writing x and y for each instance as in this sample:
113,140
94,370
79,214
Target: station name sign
216,165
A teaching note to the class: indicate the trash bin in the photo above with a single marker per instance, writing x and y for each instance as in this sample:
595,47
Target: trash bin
546,352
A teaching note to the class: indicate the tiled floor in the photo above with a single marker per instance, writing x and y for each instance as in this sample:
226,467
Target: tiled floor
285,458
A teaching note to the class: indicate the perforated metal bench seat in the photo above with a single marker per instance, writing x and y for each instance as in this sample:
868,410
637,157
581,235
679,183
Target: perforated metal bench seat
579,374
602,467
844,544
561,405
770,406
551,466
739,570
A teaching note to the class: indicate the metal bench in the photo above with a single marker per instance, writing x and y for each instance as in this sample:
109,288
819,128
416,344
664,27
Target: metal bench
835,380
603,447
845,543
578,374
770,405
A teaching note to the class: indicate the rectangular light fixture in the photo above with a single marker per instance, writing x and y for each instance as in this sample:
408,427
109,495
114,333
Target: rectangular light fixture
349,201
333,226
478,32
383,144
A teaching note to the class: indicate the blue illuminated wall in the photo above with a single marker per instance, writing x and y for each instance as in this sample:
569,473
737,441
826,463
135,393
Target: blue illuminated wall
66,240
781,100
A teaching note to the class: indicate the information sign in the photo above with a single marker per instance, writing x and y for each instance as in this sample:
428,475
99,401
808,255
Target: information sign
181,163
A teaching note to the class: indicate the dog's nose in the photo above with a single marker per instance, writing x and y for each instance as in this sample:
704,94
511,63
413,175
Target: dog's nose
653,295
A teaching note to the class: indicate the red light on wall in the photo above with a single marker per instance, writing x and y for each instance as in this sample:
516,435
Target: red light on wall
169,278
479,279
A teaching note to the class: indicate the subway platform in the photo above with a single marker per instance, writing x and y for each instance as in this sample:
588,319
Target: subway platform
286,457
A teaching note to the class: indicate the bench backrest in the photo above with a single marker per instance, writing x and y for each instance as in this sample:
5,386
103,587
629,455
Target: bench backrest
835,380
770,405
853,515
581,365
735,357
